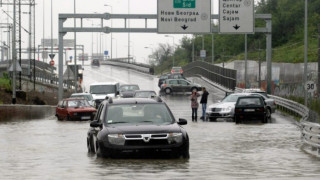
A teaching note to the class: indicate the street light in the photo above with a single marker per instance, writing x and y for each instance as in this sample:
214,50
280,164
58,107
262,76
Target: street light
151,50
111,32
116,47
173,47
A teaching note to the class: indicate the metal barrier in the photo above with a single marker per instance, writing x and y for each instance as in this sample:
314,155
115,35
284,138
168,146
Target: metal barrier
43,72
222,76
310,131
139,67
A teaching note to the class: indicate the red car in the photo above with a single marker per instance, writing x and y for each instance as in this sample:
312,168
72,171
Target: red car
75,109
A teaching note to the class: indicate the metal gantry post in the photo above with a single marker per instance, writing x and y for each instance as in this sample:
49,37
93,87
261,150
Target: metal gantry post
269,55
61,34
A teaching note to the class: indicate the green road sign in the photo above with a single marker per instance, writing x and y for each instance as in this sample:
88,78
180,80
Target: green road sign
184,3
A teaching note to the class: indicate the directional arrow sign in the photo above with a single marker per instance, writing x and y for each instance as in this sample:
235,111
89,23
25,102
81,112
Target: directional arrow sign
236,16
184,16
51,56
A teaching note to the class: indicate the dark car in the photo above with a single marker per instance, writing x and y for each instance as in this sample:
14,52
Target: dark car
127,90
179,85
162,78
249,108
144,94
75,109
95,62
137,127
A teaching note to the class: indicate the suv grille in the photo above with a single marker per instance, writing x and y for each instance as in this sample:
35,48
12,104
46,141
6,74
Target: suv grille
146,139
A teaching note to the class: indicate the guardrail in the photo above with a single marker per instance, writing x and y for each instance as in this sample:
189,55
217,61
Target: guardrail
139,67
310,130
222,76
43,72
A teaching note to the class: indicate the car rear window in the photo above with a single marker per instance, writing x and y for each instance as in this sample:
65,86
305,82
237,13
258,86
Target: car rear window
249,101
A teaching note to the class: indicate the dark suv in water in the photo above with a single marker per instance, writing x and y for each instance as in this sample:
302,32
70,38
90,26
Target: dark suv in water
137,127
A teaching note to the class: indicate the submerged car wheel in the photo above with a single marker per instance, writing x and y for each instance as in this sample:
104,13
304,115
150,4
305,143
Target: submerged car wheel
59,118
268,114
185,152
237,120
168,91
90,145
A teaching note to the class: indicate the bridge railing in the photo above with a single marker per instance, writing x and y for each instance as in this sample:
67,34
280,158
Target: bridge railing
43,72
309,123
136,66
219,75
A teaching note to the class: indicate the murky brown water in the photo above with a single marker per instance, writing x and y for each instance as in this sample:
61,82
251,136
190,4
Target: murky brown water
51,149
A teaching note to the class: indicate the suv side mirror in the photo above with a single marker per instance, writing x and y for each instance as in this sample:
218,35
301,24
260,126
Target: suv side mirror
95,124
182,121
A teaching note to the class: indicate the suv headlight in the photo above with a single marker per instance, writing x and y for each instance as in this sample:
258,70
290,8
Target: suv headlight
174,138
116,139
228,109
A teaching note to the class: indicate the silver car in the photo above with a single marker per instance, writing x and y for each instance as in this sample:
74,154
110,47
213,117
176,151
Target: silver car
225,108
179,85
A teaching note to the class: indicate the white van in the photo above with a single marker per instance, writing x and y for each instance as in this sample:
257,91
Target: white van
100,90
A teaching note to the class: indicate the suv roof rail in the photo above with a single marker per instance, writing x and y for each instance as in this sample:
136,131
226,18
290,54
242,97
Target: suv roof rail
157,98
110,100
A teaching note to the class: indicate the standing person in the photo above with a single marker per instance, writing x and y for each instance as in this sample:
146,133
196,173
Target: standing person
203,101
194,105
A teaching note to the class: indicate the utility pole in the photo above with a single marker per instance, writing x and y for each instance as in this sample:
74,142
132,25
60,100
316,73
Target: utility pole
14,55
20,42
318,89
75,54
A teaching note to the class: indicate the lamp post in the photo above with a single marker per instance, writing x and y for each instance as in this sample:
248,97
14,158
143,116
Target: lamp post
116,47
305,50
75,52
151,50
173,47
111,52
128,33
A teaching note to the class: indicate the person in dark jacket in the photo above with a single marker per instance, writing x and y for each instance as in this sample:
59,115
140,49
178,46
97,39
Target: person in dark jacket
203,101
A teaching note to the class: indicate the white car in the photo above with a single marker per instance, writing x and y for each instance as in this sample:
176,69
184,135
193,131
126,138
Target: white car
101,90
225,108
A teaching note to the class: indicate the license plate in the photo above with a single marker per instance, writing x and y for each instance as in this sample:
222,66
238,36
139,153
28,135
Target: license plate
248,110
85,117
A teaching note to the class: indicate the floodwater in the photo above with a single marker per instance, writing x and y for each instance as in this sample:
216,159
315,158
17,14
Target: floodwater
51,149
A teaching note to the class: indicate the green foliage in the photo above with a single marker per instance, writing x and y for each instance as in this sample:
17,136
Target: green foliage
5,82
287,37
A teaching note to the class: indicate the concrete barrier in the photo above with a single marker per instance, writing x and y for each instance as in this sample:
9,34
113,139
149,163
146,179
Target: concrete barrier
21,112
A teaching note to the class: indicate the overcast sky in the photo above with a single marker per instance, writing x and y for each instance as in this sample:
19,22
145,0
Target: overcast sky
120,45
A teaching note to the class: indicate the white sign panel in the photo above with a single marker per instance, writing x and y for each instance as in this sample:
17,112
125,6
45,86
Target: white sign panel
184,16
236,16
310,86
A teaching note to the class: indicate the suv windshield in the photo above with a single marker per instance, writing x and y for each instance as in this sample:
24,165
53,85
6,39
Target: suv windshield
102,89
138,113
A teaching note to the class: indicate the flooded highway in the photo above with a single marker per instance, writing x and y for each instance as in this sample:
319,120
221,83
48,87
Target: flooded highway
51,149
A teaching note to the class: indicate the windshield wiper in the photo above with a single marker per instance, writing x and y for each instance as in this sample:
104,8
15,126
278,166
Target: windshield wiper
118,122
